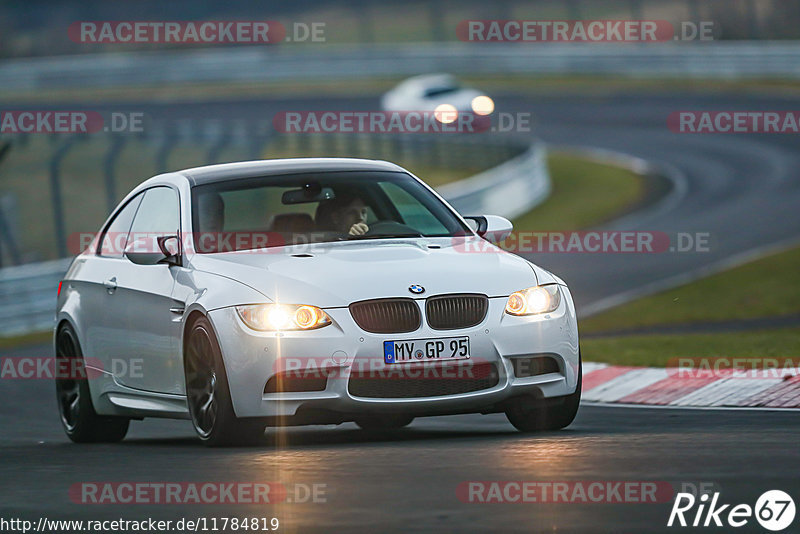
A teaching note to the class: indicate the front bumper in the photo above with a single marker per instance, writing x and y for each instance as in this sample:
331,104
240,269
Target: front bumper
252,358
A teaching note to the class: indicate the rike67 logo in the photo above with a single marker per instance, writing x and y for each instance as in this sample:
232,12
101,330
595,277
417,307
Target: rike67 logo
774,511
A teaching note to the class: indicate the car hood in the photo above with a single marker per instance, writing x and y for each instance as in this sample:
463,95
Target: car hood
336,274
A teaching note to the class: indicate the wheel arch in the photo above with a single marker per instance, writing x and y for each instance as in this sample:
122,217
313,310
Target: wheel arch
191,317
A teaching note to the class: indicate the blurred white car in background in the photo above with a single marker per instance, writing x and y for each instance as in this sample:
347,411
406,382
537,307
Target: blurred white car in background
441,93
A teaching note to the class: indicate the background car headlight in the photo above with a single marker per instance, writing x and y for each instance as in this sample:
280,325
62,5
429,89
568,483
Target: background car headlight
538,299
482,105
282,317
445,113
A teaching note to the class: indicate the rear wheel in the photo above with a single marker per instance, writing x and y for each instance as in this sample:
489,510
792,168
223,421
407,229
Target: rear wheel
208,393
384,422
78,417
528,414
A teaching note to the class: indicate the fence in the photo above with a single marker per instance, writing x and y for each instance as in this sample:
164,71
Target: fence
389,21
57,189
734,59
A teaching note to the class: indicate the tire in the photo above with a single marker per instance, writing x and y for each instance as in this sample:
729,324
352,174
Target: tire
535,415
384,422
208,394
78,416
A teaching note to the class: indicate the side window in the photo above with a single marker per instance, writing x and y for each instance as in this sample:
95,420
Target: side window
115,237
158,214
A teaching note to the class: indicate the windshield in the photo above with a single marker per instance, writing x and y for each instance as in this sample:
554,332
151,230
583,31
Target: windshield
444,90
284,210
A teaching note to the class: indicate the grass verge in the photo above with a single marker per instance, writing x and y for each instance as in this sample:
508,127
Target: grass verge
763,288
35,338
585,193
766,287
658,350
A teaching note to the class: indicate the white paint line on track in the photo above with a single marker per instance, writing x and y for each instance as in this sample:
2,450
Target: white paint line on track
625,384
727,392
683,408
588,367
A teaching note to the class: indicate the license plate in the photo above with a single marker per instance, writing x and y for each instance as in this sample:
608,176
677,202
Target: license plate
420,350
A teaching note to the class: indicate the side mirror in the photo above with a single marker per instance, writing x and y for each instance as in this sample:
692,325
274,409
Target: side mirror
155,250
491,227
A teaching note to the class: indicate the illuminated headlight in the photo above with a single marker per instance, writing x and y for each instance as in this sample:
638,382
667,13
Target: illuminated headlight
282,317
445,113
482,105
538,299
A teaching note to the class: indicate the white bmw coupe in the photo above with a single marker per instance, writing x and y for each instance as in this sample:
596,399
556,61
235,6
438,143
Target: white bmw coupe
441,93
306,291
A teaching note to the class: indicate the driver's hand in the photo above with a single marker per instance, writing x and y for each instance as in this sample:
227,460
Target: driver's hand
359,229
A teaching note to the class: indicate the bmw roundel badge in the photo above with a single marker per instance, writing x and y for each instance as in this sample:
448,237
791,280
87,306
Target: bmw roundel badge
416,289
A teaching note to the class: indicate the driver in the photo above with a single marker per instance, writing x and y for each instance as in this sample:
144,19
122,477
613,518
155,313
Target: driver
345,213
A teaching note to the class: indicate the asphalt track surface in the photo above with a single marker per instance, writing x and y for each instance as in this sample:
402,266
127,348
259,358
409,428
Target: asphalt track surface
743,190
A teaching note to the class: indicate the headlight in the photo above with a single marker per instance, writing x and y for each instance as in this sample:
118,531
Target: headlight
282,317
538,299
445,113
482,105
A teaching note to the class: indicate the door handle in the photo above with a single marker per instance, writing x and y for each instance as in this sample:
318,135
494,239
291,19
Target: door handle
110,284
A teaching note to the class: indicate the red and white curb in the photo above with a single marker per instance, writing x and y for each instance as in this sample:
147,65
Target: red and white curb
614,384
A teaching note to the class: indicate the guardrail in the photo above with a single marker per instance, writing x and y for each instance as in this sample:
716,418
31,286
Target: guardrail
719,59
509,190
28,296
28,292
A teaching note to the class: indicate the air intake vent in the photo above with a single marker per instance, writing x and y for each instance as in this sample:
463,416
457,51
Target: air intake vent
295,381
534,366
450,312
386,316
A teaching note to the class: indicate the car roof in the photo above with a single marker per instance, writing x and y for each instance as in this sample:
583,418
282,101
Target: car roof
252,169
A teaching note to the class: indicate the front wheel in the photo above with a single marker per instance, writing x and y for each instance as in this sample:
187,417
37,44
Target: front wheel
78,417
208,393
534,415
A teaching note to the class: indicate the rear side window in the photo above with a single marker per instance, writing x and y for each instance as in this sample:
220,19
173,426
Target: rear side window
115,237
